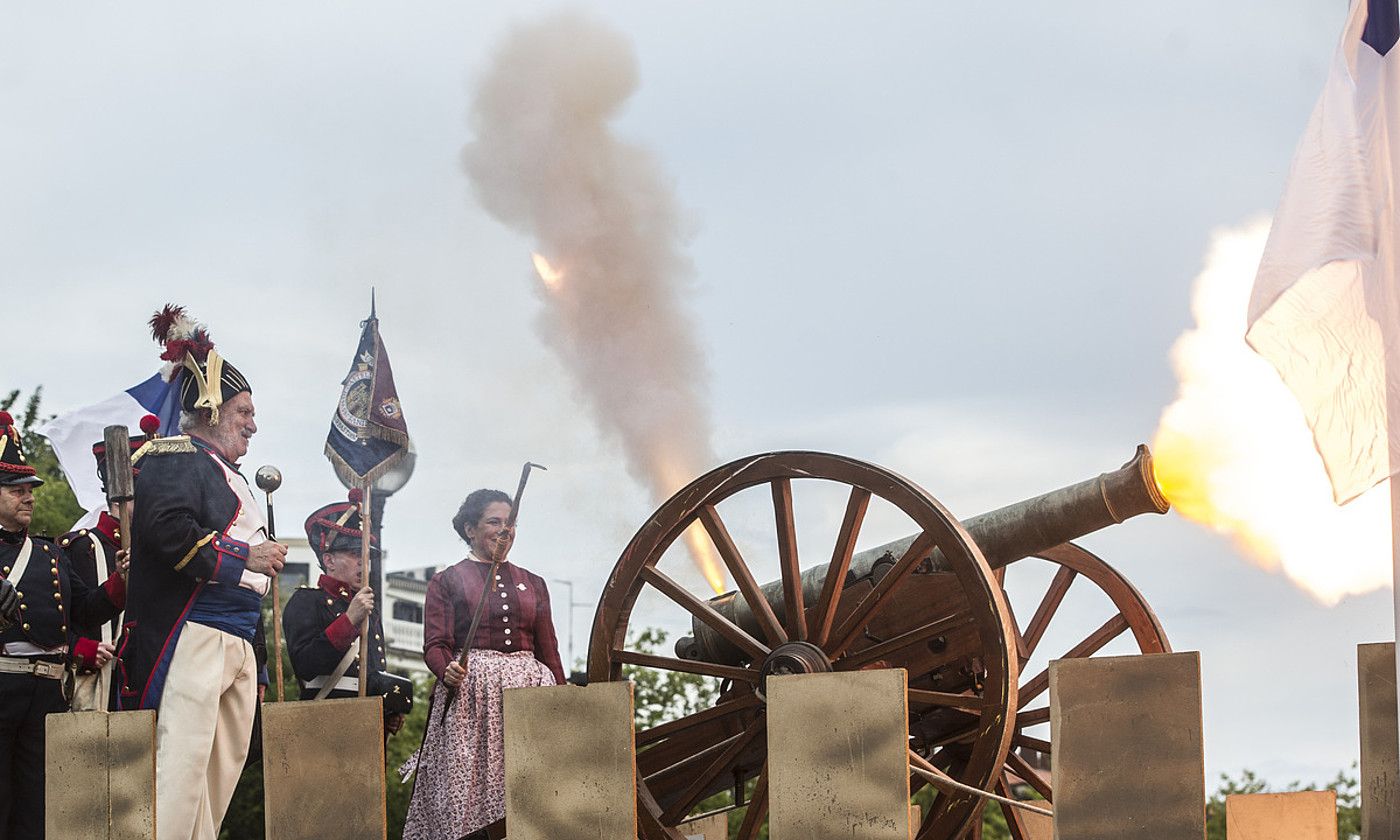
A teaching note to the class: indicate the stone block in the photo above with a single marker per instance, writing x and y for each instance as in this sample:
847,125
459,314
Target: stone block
100,775
838,756
323,769
1380,745
1300,815
570,762
1128,761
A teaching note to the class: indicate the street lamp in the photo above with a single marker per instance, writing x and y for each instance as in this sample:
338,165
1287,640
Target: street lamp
386,485
572,604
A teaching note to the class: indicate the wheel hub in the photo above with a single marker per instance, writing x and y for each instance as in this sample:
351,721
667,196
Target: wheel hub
793,658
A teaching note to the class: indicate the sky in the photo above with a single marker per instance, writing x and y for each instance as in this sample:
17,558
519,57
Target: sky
954,240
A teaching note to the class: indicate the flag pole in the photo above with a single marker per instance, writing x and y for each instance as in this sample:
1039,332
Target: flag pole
365,515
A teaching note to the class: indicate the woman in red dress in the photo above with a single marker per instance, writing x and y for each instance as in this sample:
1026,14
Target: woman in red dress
460,786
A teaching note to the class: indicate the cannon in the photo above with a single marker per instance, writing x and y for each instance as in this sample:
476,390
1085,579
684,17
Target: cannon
935,603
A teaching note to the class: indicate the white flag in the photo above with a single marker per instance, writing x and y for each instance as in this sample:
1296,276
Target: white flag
1325,309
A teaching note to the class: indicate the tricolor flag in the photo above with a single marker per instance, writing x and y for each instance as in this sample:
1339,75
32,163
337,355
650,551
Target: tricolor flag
1325,309
72,435
368,434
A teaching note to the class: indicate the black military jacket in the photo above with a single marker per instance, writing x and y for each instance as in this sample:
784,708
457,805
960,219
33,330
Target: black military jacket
309,622
52,598
92,554
184,506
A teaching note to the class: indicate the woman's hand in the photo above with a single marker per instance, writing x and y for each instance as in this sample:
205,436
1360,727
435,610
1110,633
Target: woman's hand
454,674
360,606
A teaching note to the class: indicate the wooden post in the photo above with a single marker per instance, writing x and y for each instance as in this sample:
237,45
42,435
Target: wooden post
121,484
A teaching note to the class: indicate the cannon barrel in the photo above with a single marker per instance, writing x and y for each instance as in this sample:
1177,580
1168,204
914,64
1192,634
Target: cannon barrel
1004,536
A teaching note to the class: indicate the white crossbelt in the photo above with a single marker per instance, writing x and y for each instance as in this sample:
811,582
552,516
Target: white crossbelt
342,684
47,670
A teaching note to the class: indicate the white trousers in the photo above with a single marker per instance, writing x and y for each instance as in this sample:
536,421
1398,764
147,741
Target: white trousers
202,729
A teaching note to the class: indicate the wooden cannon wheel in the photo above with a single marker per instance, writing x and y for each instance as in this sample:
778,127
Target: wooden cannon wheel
1128,611
683,760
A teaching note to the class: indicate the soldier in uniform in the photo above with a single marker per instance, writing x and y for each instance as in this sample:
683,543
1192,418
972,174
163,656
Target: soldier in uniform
322,623
201,562
38,637
93,555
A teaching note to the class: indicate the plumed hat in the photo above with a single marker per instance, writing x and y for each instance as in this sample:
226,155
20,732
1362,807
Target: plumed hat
14,467
150,426
336,527
206,378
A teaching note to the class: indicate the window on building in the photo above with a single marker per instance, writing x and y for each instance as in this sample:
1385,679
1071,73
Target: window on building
408,611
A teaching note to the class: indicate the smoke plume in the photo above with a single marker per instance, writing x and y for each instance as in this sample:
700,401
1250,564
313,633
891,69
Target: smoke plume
1234,452
547,162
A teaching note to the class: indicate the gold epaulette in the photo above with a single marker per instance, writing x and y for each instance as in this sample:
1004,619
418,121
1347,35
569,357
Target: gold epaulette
163,446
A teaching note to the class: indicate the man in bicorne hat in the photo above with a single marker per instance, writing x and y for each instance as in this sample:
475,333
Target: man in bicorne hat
322,623
42,602
93,555
201,562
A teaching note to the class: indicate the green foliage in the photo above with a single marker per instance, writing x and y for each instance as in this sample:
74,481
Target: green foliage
55,507
401,746
1347,786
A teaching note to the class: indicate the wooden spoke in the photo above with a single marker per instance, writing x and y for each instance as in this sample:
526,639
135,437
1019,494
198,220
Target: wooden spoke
1110,630
696,789
878,651
743,576
1048,605
793,608
1038,744
1023,652
1033,717
696,757
919,761
882,592
835,582
1015,823
1019,766
686,666
967,702
758,809
724,709
702,610
967,733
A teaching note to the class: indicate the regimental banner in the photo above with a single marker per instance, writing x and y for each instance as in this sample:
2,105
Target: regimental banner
368,433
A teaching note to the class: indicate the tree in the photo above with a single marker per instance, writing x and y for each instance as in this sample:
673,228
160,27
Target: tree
55,506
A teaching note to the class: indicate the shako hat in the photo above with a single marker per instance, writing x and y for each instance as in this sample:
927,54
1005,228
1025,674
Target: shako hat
206,379
150,428
14,467
336,527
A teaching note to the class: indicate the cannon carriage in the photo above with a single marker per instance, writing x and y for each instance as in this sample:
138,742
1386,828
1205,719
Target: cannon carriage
934,603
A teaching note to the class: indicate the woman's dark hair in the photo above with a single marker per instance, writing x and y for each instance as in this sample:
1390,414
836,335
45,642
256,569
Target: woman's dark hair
473,508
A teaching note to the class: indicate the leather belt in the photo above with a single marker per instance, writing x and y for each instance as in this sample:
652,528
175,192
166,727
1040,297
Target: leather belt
342,684
46,670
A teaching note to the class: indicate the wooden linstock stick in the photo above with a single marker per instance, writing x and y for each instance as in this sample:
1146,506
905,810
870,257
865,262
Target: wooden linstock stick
365,532
121,484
